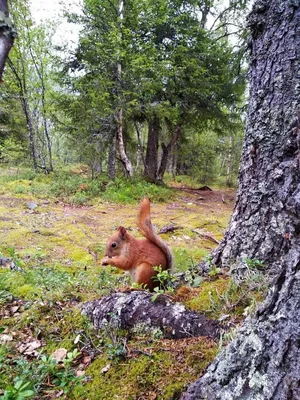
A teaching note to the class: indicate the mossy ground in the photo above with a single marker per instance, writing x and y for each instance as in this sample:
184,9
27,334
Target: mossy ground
56,247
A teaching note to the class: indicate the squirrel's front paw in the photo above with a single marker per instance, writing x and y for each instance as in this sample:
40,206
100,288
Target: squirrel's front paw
105,261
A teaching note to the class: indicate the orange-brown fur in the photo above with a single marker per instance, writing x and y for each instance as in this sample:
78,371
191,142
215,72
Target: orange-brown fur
139,256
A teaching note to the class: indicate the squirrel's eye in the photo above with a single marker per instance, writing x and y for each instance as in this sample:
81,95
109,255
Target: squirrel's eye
114,245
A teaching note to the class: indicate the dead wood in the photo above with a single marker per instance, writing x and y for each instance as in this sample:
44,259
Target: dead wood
169,228
205,236
136,312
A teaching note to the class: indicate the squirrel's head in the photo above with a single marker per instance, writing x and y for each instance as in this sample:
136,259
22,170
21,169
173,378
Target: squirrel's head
116,242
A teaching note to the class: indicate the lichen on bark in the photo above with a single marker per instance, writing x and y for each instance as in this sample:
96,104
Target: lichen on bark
261,363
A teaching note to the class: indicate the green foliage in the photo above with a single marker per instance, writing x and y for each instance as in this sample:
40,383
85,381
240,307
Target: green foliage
207,156
172,68
12,151
253,263
165,281
19,391
80,189
121,191
30,377
64,378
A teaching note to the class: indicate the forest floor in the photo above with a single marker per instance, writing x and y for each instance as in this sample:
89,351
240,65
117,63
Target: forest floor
66,233
49,264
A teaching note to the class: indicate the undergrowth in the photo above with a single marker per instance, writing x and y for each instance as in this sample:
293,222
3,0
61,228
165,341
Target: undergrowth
80,189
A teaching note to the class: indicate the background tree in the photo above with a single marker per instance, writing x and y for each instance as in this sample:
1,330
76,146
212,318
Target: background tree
262,361
173,71
7,34
27,82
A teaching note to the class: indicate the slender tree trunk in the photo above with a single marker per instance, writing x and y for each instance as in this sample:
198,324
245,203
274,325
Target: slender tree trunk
152,149
7,35
174,161
262,362
40,73
165,153
112,158
30,129
122,152
24,101
205,11
46,131
140,151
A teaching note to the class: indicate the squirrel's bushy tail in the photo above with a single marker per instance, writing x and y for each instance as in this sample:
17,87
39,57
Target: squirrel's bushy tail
146,228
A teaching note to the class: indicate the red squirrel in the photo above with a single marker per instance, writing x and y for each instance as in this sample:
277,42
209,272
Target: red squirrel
139,256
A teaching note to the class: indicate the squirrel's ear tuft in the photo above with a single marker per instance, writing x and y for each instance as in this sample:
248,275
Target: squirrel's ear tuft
122,231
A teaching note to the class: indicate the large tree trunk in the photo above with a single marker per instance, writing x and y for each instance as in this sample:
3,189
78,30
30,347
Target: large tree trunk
152,149
7,35
262,362
265,220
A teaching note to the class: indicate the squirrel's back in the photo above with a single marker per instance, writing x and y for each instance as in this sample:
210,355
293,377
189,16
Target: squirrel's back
147,230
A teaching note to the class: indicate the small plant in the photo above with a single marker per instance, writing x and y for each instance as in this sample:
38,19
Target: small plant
117,350
79,198
19,391
63,376
139,286
165,282
253,263
214,271
208,260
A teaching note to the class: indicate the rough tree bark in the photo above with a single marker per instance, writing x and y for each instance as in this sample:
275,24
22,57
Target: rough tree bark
229,161
7,35
265,219
262,362
152,149
136,311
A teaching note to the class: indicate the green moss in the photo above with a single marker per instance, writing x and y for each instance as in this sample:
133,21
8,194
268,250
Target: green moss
82,255
209,300
161,374
135,375
186,258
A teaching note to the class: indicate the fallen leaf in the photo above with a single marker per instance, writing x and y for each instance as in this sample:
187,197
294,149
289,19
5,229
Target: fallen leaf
5,338
80,373
14,309
87,360
105,369
59,355
29,349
